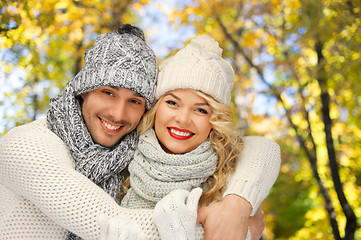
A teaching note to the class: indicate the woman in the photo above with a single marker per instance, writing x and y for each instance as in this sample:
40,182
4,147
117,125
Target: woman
188,140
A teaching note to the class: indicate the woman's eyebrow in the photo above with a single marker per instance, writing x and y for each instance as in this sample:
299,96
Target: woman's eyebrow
172,96
197,104
202,104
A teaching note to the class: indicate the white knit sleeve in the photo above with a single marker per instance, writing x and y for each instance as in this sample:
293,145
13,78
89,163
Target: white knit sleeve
256,170
35,164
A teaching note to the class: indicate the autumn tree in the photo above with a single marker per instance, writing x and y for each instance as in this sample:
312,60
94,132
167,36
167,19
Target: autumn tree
307,56
42,45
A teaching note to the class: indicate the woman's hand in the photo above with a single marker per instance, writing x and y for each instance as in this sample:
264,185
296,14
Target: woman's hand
229,219
119,228
175,215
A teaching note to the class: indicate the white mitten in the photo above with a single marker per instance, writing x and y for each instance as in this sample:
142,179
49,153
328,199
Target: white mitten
119,228
176,214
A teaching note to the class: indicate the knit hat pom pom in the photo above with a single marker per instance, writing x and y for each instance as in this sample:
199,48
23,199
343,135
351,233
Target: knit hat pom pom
127,28
209,44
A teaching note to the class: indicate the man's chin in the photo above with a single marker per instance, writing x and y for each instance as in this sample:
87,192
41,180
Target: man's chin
109,143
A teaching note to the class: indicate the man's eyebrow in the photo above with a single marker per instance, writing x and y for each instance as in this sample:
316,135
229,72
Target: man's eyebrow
114,87
137,95
117,88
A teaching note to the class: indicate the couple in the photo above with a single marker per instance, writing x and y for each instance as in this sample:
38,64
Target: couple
48,167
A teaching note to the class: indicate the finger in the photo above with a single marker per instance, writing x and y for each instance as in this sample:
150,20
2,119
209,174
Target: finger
201,216
256,224
193,199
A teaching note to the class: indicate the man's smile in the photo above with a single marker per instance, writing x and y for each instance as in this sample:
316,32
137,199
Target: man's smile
109,127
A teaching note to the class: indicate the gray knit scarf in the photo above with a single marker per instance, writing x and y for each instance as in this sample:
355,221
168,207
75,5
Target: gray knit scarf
100,164
155,173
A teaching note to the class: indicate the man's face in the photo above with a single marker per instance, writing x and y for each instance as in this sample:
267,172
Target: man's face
111,112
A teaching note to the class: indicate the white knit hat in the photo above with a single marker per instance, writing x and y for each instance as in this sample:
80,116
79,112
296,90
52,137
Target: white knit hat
198,66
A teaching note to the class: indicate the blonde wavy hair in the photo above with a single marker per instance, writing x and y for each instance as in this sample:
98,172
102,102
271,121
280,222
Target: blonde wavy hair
225,141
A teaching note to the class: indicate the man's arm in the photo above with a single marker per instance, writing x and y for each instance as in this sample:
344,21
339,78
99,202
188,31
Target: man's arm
35,164
256,171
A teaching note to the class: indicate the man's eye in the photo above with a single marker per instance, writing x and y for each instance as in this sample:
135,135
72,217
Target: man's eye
171,102
135,101
108,93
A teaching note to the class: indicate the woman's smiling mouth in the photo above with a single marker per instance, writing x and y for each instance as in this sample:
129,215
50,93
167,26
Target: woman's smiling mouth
180,134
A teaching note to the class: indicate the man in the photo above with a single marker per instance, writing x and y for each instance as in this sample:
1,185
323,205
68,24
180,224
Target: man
89,133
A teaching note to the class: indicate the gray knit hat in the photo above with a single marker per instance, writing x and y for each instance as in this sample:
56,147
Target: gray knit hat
198,66
121,59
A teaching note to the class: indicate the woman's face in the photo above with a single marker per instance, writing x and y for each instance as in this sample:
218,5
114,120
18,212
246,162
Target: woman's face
182,121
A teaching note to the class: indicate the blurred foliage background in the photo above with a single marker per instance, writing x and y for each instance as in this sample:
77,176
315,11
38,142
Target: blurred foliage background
298,68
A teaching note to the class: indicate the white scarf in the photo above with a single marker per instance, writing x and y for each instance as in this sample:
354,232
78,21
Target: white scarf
155,173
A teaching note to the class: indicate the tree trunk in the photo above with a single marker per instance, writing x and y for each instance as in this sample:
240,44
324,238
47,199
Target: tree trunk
78,57
351,224
35,98
118,10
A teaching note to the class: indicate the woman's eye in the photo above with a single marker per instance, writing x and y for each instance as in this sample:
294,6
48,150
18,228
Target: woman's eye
203,111
171,102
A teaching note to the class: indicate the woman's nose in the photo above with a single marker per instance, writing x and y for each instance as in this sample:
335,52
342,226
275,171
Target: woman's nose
183,116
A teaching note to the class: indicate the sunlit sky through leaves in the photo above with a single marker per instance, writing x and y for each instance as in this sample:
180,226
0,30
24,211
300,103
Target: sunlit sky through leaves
163,38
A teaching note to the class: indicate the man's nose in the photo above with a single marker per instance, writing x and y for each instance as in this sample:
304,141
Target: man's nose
118,111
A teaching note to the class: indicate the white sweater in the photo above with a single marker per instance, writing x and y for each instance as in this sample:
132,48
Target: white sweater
42,196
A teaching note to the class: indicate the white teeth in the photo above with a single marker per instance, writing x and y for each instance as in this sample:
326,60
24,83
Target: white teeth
184,134
111,127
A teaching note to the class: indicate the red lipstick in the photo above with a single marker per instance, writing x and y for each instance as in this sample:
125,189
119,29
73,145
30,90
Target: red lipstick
175,133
